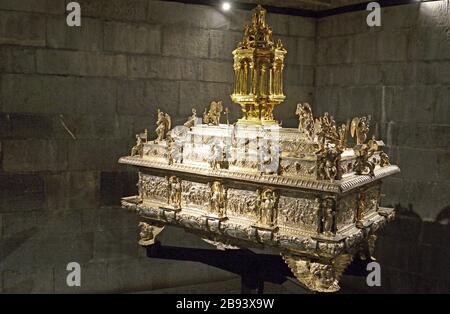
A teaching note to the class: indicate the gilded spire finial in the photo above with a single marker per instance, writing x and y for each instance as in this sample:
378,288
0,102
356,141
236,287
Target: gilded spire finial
258,67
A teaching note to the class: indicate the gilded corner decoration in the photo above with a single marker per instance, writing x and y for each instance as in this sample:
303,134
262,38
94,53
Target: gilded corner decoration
304,191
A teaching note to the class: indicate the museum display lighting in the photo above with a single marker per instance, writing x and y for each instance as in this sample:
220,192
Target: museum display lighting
226,6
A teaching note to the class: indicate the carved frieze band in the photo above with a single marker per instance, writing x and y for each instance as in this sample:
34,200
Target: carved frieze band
336,187
264,206
240,232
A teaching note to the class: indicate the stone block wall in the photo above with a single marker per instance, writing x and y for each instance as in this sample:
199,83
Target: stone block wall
71,100
399,74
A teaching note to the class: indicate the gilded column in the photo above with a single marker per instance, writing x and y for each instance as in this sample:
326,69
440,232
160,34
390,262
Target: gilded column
236,80
237,74
276,80
241,79
262,85
245,78
271,81
250,81
281,80
255,78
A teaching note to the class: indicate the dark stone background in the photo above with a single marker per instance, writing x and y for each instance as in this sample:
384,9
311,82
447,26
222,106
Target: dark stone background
104,82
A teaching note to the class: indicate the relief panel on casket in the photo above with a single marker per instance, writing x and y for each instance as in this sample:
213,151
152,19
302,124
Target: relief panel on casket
155,151
346,210
242,203
371,199
194,194
293,167
299,212
153,188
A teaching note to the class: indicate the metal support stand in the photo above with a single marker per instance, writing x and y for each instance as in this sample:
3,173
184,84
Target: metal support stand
254,269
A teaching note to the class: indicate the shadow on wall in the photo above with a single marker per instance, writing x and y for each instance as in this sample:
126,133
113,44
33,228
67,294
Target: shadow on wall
444,216
414,254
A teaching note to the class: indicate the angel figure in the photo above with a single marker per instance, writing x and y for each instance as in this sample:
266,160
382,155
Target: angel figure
360,128
163,125
306,119
327,133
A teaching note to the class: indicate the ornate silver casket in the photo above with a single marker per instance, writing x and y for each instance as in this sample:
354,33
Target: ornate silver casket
300,192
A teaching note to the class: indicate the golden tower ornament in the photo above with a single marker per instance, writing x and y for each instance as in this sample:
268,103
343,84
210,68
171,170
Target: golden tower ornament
258,69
